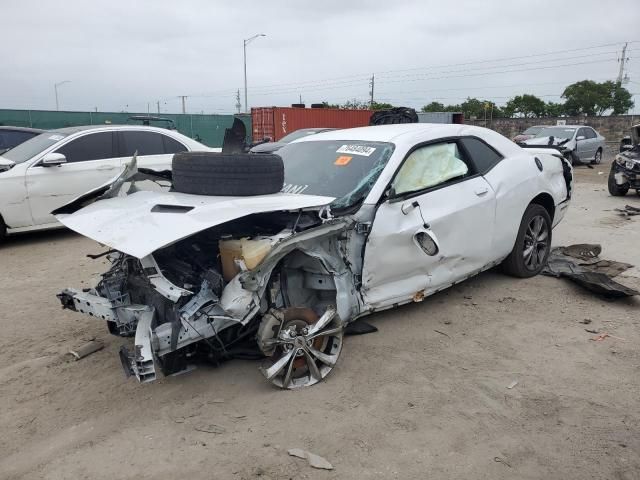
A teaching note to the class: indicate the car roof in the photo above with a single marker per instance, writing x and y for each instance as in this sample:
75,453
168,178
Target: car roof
84,128
567,126
387,133
21,129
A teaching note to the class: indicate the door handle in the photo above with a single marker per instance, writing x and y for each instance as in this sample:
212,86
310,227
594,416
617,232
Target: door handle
482,191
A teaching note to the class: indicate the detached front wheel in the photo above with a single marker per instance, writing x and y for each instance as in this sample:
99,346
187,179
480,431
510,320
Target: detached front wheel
533,244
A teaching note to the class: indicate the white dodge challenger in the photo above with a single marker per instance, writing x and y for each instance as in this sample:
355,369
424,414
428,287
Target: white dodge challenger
274,255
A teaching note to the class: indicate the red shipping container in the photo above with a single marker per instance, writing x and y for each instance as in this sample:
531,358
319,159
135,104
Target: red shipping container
276,122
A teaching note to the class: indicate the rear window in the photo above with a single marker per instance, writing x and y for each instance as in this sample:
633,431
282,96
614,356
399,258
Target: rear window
145,143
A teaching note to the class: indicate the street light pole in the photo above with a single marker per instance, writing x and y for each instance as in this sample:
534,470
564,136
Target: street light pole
55,87
246,42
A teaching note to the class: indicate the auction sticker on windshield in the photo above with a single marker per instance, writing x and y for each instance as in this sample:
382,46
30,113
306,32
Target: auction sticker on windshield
356,150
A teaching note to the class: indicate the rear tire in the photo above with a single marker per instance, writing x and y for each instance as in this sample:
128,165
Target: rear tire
208,173
598,158
3,230
614,189
533,244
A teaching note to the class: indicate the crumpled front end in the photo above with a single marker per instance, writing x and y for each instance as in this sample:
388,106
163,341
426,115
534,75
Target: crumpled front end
203,297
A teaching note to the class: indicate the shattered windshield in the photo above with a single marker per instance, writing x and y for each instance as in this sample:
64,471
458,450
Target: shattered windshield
344,169
557,132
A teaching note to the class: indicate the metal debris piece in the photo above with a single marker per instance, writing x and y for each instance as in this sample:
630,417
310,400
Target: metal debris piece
86,349
209,428
502,460
603,335
316,461
627,211
512,384
359,327
581,264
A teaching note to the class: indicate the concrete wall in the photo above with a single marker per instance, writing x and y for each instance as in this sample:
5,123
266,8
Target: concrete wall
613,128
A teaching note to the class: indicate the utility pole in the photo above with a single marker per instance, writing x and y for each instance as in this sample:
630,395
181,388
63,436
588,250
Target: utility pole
246,42
158,104
55,87
372,84
623,58
184,104
238,104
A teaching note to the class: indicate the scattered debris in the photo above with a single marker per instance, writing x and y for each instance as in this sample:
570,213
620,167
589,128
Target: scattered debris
217,400
628,211
447,322
586,321
442,333
591,331
603,335
581,264
86,349
209,428
501,460
359,327
512,384
316,461
507,299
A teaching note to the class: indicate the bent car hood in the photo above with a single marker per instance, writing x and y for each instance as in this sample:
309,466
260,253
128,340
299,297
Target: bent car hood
545,141
141,223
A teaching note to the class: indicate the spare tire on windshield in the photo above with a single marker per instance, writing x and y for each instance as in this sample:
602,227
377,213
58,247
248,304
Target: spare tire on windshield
239,174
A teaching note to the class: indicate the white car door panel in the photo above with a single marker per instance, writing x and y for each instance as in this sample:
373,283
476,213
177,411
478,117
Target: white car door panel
90,163
14,205
456,214
460,218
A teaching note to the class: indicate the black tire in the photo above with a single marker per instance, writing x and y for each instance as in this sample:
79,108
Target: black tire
517,263
209,173
3,230
615,189
598,158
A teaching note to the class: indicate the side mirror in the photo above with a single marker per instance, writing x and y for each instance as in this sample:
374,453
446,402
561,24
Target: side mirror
580,137
266,139
53,160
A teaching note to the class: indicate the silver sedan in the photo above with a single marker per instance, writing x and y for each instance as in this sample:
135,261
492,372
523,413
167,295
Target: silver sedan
585,144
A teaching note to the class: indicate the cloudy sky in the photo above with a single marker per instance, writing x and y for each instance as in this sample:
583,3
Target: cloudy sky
128,55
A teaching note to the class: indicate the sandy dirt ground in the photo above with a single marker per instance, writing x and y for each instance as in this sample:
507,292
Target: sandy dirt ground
425,397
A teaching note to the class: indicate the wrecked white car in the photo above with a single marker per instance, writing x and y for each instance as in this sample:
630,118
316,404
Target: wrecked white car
231,263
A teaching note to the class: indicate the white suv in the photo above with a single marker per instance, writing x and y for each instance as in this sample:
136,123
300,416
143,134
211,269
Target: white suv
50,170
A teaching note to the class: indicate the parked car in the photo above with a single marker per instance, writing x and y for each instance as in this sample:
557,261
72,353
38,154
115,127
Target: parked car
54,167
528,133
584,144
347,222
12,136
270,147
625,169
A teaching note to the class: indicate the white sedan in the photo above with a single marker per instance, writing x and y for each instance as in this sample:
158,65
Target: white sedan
53,168
368,219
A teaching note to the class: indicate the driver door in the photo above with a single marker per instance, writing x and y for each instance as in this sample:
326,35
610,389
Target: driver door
435,228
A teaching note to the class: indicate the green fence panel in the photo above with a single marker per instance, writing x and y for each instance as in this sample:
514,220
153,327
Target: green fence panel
208,129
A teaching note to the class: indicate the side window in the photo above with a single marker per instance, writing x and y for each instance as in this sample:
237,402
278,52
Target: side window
590,133
482,155
145,143
582,133
430,166
95,146
172,146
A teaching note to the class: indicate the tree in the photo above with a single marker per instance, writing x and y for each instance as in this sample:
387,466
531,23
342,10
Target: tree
434,107
621,100
526,106
380,106
472,107
588,97
553,109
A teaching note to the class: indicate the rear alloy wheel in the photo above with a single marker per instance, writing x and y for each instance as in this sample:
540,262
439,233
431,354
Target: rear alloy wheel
533,244
598,158
302,347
